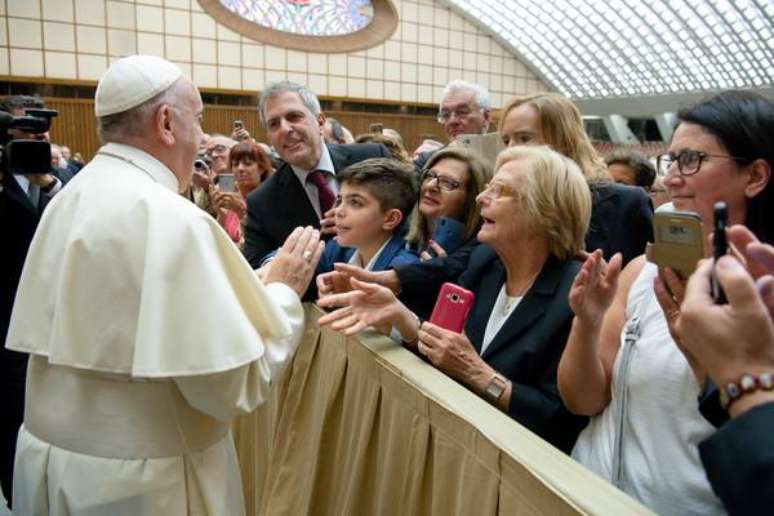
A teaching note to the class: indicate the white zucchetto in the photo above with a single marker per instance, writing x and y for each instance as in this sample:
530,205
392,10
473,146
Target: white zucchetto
132,80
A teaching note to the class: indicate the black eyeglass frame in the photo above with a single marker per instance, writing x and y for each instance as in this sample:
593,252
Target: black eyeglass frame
668,158
451,184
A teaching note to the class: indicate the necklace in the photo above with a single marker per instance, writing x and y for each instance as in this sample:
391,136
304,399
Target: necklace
511,301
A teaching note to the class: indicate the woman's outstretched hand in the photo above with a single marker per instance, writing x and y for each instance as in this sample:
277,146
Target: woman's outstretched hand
594,287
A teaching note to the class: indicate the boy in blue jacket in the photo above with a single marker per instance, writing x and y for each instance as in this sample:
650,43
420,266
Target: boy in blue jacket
376,197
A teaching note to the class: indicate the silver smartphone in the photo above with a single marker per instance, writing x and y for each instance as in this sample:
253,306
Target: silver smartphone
679,242
226,183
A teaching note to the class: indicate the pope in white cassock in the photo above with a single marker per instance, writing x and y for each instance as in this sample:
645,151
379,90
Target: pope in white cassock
147,331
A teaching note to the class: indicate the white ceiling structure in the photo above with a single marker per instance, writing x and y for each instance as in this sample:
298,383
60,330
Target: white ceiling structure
636,55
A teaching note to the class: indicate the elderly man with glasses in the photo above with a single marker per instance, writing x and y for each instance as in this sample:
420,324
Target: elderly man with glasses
465,108
218,148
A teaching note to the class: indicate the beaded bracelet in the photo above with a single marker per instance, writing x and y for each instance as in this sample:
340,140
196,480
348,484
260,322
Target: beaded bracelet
746,384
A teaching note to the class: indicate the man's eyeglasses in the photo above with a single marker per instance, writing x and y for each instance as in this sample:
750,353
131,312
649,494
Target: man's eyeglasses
444,183
495,189
688,162
217,149
462,112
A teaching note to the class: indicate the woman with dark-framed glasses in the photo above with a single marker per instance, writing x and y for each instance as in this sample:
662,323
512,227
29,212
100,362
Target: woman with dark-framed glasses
623,363
535,214
448,186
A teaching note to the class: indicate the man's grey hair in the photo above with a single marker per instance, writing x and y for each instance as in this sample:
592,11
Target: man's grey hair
132,123
275,89
481,94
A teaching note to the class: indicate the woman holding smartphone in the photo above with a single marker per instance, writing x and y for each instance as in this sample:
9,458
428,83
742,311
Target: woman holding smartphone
623,363
249,166
535,214
448,187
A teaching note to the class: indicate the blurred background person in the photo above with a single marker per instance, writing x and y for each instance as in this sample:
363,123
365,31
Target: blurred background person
395,135
217,149
629,167
427,145
61,172
396,149
23,198
333,131
250,166
658,193
72,163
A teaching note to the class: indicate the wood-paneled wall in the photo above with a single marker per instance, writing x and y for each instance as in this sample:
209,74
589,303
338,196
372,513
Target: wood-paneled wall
76,126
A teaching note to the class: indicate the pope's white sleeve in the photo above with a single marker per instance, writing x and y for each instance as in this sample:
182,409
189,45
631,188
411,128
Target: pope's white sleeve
238,391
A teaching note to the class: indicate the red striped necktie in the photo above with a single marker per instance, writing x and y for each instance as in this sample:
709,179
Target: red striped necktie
317,178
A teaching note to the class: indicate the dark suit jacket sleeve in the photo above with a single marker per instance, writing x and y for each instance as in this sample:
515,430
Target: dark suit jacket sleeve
258,242
422,159
421,281
539,408
639,215
405,257
739,460
621,221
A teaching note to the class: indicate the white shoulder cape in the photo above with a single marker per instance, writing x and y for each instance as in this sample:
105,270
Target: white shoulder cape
124,275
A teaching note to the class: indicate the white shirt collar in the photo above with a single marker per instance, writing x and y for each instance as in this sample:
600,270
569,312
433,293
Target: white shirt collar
23,182
355,260
325,164
154,168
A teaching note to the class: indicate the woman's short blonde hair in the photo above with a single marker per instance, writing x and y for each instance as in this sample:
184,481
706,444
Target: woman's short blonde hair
562,127
555,197
479,173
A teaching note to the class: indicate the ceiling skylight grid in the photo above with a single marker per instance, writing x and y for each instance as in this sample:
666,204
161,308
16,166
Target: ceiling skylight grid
601,48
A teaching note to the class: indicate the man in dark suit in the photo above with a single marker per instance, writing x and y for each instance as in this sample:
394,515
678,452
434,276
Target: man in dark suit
303,190
22,200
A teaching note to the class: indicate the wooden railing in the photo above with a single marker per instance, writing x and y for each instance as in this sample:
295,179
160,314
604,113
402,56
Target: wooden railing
363,426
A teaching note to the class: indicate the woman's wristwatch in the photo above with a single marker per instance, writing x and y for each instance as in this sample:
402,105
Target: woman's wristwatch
497,386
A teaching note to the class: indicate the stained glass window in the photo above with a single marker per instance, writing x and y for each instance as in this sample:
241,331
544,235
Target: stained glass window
305,17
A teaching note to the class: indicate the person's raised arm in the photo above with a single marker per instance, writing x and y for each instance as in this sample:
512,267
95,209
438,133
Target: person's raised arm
369,304
296,260
598,298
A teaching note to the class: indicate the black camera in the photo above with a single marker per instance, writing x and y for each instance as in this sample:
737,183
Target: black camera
26,156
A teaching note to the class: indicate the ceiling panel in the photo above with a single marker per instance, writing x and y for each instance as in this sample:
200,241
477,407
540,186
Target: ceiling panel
618,48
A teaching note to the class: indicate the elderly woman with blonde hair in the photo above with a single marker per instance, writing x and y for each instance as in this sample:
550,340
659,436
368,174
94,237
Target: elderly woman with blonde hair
535,214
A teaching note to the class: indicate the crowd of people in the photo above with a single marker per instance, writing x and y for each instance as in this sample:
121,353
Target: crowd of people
633,370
